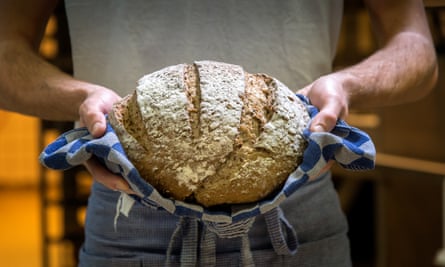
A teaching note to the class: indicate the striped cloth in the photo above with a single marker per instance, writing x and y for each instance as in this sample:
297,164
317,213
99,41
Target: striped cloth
350,147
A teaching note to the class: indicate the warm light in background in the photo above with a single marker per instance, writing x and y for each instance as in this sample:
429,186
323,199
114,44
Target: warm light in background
49,46
19,150
20,231
19,134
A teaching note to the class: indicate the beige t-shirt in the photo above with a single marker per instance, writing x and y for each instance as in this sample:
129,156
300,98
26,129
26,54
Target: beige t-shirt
114,42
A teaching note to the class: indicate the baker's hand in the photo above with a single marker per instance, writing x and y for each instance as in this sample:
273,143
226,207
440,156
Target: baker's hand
329,95
110,180
98,102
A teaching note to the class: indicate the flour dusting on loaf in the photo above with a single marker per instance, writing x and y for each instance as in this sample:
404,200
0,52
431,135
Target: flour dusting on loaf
212,133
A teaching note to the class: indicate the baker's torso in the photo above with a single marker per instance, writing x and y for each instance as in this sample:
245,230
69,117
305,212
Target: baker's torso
114,42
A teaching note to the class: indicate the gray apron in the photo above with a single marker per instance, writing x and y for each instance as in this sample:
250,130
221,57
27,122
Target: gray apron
143,238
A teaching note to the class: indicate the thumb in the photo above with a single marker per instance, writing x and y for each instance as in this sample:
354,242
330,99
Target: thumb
94,121
92,111
97,126
327,118
324,121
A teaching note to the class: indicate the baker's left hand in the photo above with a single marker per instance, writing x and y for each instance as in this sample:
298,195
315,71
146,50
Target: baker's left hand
329,95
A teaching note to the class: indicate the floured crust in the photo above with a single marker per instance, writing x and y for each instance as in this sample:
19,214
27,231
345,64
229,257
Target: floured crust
211,133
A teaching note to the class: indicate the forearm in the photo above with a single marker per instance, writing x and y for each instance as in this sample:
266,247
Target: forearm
29,84
403,70
32,86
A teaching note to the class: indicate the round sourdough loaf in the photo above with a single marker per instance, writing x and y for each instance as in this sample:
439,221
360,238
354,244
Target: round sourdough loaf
211,133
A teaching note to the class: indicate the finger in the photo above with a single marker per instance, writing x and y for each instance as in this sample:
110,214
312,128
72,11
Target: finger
324,121
93,119
108,179
97,127
326,168
327,118
92,111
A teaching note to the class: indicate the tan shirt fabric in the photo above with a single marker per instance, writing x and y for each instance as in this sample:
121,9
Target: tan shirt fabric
115,42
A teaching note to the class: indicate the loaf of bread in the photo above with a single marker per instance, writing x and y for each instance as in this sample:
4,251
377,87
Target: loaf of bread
211,133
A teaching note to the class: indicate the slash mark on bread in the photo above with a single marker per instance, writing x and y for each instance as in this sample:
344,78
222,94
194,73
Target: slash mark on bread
193,92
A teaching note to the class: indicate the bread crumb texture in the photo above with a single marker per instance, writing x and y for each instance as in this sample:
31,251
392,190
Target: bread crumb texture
211,133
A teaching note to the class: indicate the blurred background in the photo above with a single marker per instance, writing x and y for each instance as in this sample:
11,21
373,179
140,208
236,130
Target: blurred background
395,212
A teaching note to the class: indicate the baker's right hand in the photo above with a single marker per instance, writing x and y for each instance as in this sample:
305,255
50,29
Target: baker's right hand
92,110
99,102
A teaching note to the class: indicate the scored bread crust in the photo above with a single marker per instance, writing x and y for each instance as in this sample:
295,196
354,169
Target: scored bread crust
211,133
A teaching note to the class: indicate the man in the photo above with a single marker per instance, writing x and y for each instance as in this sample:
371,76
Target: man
116,42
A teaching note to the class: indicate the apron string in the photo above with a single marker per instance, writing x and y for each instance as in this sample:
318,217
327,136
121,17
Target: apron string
282,234
186,232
